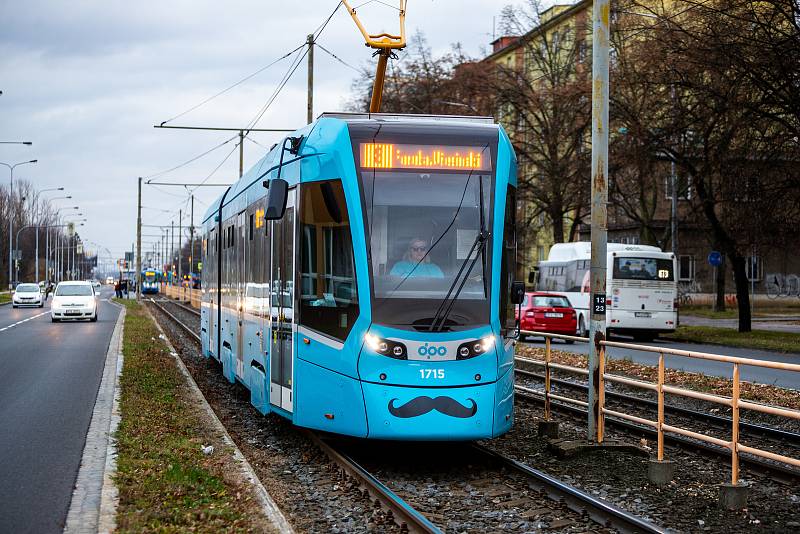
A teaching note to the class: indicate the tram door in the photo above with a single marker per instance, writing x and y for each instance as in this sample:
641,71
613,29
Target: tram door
282,309
211,258
241,269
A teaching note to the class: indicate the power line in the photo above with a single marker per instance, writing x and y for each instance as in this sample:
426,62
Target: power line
209,99
337,58
212,149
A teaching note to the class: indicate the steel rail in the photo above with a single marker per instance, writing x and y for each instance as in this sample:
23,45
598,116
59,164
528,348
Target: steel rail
402,513
754,463
754,428
182,305
600,511
187,329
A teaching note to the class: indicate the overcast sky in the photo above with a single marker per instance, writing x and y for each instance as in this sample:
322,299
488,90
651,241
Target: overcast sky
85,81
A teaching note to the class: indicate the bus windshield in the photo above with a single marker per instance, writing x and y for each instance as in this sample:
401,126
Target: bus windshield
628,268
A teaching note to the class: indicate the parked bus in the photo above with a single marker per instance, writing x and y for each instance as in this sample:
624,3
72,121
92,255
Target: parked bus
641,286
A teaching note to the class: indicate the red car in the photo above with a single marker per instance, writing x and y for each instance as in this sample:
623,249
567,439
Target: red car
548,312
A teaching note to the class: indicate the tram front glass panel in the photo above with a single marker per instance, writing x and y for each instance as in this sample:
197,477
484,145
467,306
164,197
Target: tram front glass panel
423,191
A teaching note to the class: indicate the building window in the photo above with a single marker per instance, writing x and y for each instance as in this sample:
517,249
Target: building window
329,297
540,253
250,233
686,268
684,185
754,268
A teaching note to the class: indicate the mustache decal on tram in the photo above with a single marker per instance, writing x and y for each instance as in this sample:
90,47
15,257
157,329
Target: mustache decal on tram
424,404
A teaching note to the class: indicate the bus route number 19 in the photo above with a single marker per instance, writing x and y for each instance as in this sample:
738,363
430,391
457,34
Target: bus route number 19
599,304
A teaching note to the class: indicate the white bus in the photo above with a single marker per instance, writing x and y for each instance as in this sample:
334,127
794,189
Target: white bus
641,286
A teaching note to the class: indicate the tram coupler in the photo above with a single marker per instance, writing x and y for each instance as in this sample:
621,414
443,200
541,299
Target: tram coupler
548,429
733,496
660,472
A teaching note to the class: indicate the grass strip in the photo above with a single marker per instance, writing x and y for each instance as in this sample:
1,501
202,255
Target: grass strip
732,312
757,339
165,482
763,393
5,297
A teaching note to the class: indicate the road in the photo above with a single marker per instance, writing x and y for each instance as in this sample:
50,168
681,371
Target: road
49,377
725,370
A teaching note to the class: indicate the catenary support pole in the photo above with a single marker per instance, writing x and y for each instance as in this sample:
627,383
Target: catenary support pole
241,153
599,201
310,107
139,244
180,229
172,250
191,242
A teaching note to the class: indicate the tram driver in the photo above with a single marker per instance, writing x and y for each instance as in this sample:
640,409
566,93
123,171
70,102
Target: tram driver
416,262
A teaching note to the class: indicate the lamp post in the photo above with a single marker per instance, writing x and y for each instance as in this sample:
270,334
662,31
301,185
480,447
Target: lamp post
39,222
72,248
11,215
59,256
47,240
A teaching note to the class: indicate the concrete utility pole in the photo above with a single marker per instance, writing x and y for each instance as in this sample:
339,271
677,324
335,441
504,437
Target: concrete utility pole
310,41
241,153
601,10
191,240
139,244
180,229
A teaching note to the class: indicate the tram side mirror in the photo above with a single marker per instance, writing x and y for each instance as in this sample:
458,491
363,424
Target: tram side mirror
277,192
517,292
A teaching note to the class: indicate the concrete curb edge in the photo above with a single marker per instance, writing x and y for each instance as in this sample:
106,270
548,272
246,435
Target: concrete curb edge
95,498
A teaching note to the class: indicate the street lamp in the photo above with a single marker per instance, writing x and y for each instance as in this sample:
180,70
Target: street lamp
39,222
59,251
10,216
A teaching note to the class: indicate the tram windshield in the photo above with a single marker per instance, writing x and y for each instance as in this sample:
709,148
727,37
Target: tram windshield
424,229
149,276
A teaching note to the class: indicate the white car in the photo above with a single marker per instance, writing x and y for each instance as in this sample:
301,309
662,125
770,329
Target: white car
27,295
74,300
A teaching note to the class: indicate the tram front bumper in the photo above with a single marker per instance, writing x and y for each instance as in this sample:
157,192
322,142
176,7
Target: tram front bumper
447,414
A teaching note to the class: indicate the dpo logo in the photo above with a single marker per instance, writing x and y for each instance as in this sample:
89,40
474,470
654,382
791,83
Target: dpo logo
431,350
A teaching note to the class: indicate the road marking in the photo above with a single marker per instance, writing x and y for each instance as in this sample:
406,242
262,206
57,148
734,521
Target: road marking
23,321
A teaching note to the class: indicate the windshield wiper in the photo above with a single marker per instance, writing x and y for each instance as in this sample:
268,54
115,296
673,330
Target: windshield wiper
480,245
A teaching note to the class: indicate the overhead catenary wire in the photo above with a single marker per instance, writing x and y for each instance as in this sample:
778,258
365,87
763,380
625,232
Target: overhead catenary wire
337,58
220,93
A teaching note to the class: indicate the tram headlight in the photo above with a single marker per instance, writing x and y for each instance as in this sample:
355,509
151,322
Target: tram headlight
386,347
470,349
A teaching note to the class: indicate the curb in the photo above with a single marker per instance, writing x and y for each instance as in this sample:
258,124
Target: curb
268,507
95,498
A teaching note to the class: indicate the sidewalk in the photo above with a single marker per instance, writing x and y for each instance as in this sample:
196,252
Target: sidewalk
776,323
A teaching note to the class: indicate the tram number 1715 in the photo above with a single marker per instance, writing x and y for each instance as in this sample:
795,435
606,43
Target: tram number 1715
431,373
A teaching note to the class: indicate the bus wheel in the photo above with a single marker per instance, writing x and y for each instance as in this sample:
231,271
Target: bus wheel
582,331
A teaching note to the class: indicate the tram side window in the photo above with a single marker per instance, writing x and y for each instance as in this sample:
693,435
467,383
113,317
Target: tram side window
509,262
329,298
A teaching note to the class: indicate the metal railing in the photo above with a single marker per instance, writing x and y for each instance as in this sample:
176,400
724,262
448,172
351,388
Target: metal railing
661,388
184,294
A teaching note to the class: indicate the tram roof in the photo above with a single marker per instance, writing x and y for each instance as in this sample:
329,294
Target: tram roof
407,117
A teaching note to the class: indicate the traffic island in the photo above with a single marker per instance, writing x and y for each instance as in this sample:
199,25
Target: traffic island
174,473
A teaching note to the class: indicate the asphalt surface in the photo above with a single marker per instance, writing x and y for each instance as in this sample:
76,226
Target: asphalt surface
751,374
49,377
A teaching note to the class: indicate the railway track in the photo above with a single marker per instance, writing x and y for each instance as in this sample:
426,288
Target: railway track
752,463
717,420
582,509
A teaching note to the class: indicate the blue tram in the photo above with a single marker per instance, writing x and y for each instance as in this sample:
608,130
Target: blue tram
151,281
358,278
